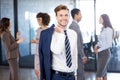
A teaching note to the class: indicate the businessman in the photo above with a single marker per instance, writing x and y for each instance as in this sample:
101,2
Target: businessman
76,15
58,49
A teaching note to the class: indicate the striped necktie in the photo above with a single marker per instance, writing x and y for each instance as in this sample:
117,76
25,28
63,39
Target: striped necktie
67,51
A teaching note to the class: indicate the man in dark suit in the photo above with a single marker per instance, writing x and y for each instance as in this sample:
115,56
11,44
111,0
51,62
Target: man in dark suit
76,15
52,49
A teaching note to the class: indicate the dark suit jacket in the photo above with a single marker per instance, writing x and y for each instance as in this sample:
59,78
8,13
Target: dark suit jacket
11,47
45,53
80,71
76,28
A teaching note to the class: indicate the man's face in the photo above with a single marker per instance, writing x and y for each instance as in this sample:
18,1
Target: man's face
62,18
79,16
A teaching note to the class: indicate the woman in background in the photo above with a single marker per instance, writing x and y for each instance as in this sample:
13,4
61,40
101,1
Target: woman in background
43,21
11,47
102,48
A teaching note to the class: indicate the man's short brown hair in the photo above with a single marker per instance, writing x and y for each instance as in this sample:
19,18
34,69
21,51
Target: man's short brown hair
60,7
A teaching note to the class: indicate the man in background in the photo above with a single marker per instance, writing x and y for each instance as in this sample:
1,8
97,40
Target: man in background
82,59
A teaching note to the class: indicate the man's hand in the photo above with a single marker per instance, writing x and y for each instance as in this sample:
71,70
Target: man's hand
58,29
84,60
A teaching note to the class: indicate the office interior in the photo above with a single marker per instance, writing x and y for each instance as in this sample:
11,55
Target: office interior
22,14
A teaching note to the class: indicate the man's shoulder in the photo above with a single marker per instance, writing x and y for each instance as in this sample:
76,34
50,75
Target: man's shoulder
73,25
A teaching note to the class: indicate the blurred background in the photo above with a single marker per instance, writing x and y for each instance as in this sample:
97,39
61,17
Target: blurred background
23,18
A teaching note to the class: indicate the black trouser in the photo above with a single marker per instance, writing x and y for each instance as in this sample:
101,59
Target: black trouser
56,75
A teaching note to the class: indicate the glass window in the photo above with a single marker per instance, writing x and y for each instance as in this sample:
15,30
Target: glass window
87,23
87,26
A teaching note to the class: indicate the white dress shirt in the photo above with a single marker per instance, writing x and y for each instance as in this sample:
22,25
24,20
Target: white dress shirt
105,39
58,50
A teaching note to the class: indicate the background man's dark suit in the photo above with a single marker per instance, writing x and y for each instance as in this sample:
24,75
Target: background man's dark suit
80,71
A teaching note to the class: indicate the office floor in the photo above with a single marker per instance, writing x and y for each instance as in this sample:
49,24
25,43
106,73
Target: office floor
28,74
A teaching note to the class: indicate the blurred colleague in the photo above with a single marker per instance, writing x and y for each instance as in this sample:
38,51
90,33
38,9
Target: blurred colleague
102,48
82,59
58,49
43,21
11,47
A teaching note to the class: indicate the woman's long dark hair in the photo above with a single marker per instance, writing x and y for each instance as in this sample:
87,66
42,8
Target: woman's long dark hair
106,21
4,24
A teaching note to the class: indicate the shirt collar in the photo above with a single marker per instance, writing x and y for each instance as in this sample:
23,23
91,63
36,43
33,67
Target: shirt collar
75,21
